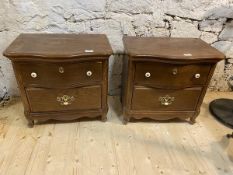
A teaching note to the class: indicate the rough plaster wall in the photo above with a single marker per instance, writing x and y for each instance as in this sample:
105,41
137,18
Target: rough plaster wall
210,20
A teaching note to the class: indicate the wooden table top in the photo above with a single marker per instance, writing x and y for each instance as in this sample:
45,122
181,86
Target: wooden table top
59,45
172,48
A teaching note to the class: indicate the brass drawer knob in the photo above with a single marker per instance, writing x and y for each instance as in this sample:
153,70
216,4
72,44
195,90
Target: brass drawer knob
166,100
89,73
148,74
61,70
197,75
65,100
33,75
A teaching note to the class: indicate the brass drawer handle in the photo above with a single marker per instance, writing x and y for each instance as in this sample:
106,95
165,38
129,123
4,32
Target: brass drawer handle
61,70
33,75
197,76
148,74
65,100
89,73
166,100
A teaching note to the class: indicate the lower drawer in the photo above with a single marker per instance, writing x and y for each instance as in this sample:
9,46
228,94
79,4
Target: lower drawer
151,99
85,98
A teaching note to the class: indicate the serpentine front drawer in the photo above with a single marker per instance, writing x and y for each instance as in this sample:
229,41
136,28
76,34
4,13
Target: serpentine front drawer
167,75
64,74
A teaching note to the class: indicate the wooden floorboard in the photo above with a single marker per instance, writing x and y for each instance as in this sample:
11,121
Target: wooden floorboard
85,147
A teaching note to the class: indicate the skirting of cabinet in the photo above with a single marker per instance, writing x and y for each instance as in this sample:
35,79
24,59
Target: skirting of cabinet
68,115
158,115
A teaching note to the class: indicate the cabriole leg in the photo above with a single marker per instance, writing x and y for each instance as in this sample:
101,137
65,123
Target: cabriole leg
193,118
104,117
30,123
126,120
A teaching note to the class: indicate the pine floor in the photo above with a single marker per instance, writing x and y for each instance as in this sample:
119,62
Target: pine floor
111,148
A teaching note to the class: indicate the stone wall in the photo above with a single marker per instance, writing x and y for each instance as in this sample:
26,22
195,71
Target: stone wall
210,20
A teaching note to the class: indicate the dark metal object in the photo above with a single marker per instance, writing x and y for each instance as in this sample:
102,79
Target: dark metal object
222,110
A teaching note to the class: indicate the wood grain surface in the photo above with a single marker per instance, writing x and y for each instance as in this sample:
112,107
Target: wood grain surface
170,48
73,74
58,46
165,75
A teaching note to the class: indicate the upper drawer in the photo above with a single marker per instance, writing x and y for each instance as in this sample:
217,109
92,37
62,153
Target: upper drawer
168,75
41,74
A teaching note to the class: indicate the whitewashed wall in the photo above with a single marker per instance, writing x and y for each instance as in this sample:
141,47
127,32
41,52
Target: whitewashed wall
210,20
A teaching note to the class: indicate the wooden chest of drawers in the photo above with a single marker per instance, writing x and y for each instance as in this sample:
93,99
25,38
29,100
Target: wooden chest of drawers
61,76
166,78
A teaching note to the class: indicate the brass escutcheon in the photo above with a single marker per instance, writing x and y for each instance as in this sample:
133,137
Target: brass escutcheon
65,100
166,100
61,70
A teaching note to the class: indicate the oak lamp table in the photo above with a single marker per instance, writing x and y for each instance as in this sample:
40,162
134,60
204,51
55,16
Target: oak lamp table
166,78
61,76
